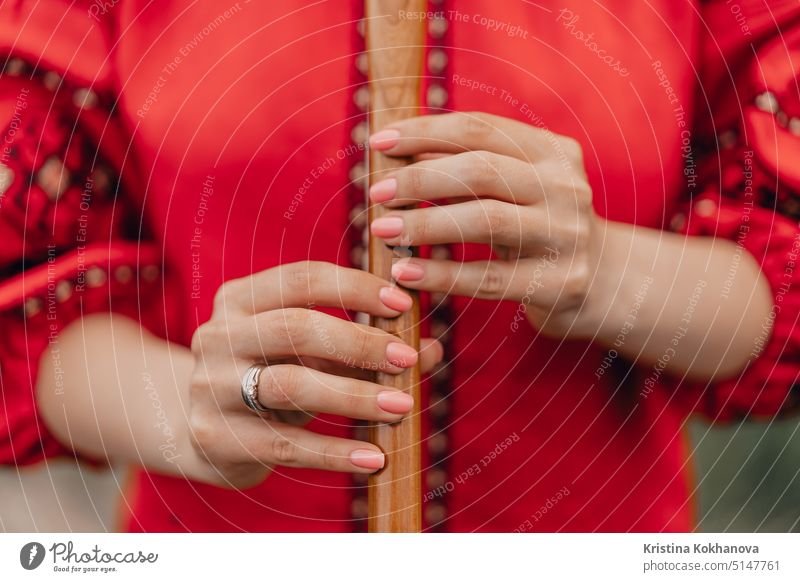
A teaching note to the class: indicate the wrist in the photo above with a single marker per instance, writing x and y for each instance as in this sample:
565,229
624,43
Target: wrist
615,282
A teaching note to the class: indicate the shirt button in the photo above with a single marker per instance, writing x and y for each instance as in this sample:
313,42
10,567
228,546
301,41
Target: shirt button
63,291
435,478
51,80
360,133
767,101
96,277
33,306
678,221
437,61
14,67
123,274
357,256
102,180
150,273
437,96
84,98
437,27
705,208
437,443
358,216
358,175
440,253
361,98
435,513
359,508
362,63
53,177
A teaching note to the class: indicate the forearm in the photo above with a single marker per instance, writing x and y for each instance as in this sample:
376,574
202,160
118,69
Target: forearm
696,306
123,395
705,306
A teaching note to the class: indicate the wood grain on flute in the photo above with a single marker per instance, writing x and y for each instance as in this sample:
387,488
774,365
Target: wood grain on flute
395,56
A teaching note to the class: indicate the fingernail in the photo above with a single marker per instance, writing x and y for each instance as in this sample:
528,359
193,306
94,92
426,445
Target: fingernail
407,271
387,227
395,299
395,402
367,459
384,140
401,355
383,191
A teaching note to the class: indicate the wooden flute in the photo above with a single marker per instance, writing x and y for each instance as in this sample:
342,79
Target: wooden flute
395,52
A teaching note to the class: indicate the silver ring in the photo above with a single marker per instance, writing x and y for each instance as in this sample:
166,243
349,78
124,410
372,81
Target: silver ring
250,388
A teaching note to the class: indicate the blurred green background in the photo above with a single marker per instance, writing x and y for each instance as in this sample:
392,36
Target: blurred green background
748,475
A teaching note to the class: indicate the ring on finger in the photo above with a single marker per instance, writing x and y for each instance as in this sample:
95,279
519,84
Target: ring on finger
250,388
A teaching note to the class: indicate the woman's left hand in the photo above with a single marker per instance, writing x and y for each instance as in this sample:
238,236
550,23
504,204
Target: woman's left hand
501,182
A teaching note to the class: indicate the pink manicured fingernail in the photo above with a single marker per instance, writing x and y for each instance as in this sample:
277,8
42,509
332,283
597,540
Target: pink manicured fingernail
387,227
401,355
395,299
383,191
395,402
385,139
407,271
367,459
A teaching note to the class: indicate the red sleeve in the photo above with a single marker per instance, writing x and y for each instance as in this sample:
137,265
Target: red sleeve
747,146
70,244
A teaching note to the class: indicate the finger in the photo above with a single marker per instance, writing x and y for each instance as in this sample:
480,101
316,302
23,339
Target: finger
477,221
497,280
469,175
297,447
304,332
290,387
308,283
244,438
459,132
431,353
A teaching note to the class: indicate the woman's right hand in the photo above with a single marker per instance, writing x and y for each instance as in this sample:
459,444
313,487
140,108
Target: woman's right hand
315,363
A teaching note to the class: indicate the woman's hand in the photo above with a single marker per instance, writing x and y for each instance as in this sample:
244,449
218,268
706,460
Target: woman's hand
315,363
496,181
653,296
